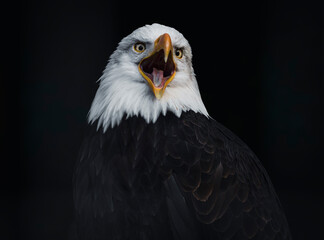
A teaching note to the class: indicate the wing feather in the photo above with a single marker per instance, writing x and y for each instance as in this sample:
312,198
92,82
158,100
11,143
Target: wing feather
230,190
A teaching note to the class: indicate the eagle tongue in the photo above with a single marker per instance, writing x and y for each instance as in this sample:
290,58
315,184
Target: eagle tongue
157,77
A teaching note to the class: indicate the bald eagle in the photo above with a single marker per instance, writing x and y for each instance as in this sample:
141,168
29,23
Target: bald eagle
155,165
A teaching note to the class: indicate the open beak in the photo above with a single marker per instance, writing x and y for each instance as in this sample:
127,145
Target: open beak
158,68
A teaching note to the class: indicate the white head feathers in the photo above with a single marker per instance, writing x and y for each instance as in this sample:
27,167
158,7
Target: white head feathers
124,91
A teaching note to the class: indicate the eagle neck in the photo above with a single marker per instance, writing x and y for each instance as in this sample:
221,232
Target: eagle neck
120,95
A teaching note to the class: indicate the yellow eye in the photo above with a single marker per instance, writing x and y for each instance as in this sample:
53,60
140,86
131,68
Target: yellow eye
178,53
139,47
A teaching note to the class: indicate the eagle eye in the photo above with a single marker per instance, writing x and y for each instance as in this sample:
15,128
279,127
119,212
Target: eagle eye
178,53
139,47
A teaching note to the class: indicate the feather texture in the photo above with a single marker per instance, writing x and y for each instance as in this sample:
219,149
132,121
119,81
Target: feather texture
179,178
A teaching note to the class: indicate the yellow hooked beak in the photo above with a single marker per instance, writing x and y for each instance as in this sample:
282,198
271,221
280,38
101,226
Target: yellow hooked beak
158,68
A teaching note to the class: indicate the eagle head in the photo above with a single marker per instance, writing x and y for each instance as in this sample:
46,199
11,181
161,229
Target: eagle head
149,74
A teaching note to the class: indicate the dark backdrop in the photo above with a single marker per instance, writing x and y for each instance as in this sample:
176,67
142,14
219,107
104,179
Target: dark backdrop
259,66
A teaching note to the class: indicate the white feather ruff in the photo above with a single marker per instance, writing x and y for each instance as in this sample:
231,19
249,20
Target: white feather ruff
124,92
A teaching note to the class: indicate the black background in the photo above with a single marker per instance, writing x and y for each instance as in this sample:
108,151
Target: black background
259,66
